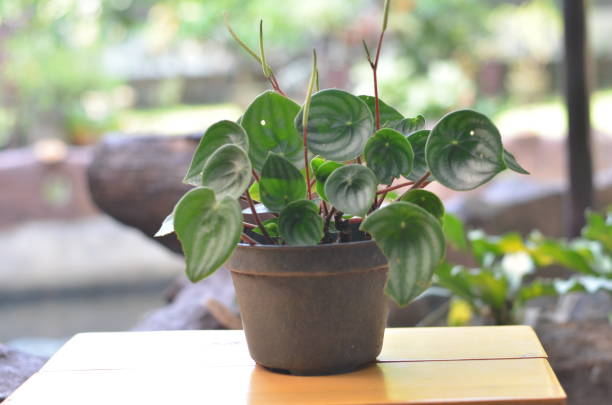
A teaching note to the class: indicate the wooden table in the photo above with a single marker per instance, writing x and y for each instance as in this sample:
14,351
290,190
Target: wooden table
471,365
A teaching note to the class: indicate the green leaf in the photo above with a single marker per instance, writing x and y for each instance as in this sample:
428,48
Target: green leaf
389,116
207,229
549,251
426,200
315,163
167,227
339,125
228,171
271,225
455,232
464,150
408,126
413,242
280,183
217,135
512,164
268,121
418,140
322,173
389,155
599,228
254,191
300,223
352,189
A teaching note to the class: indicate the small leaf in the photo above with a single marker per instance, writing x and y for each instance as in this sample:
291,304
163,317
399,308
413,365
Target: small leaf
271,225
413,242
227,172
207,229
339,125
389,116
426,200
268,121
254,191
408,126
167,227
418,140
512,163
464,150
352,189
300,223
316,162
389,155
322,173
455,232
280,183
217,135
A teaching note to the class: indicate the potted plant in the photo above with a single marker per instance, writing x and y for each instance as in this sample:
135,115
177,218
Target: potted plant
326,239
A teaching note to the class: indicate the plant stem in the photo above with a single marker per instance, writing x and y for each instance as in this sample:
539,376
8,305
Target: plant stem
311,86
420,183
247,225
325,210
246,238
255,175
264,232
386,190
328,220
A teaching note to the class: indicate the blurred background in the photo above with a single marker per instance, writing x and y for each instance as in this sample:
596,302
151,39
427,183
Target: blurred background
74,72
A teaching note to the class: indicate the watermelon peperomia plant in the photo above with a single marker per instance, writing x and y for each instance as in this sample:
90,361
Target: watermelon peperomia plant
324,172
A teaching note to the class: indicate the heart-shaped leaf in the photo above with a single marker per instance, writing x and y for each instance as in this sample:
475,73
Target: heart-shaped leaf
512,163
271,225
268,122
464,150
418,140
339,125
280,183
413,242
389,155
389,116
409,125
426,200
300,223
207,229
227,172
352,189
217,135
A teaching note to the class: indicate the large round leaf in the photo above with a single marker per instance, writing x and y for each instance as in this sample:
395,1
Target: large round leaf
339,125
418,140
389,116
227,172
389,155
217,135
300,223
207,229
280,183
352,189
512,163
268,122
409,125
413,242
426,200
464,150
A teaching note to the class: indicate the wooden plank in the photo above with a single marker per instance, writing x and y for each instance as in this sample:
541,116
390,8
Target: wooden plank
192,349
516,381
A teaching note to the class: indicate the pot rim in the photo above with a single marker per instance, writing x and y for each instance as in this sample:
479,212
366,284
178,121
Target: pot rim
301,247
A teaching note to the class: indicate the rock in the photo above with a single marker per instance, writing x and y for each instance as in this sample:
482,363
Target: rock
188,308
15,368
581,355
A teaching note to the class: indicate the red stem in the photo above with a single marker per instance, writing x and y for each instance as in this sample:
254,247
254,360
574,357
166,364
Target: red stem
247,225
246,238
255,175
386,190
256,216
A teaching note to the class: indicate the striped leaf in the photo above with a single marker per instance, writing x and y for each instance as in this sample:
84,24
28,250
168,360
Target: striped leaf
389,155
227,172
464,150
280,183
512,163
418,140
208,230
300,223
217,135
352,189
426,200
268,121
413,242
389,116
339,125
409,125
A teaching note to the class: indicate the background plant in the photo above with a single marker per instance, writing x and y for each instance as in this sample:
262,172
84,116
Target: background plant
334,158
506,276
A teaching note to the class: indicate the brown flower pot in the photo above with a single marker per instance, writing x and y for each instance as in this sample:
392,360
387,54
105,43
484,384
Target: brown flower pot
312,309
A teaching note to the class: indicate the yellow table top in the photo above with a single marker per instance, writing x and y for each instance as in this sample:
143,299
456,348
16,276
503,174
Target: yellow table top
471,365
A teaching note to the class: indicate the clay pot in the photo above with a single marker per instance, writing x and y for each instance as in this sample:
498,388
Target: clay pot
312,310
